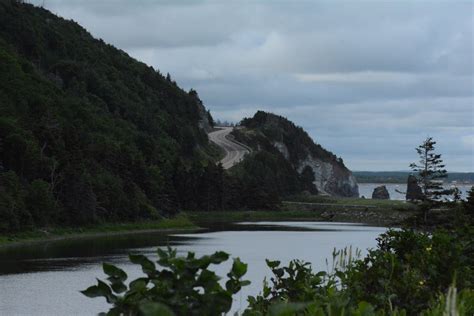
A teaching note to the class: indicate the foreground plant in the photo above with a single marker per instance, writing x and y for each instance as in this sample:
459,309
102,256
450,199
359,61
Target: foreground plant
409,273
453,304
180,286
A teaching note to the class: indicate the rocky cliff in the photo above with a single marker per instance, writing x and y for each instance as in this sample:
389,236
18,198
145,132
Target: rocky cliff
277,135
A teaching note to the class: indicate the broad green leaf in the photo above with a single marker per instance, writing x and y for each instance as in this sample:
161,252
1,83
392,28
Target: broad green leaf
101,289
155,309
104,288
207,279
232,286
93,291
201,263
119,287
239,268
321,274
279,272
148,266
272,264
114,272
245,282
138,284
219,257
162,254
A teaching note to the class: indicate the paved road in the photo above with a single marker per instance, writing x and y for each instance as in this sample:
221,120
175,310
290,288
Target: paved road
234,152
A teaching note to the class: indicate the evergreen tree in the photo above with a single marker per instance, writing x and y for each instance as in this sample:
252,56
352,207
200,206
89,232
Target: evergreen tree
210,119
430,170
41,203
469,203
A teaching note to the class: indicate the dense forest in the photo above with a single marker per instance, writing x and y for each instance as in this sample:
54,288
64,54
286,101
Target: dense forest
89,134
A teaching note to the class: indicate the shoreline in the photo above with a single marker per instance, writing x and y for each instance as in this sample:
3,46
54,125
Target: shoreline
367,218
375,213
78,236
166,226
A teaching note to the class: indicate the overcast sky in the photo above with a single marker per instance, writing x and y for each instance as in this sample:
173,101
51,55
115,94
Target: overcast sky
367,80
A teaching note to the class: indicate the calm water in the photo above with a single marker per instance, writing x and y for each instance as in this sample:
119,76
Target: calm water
45,279
366,189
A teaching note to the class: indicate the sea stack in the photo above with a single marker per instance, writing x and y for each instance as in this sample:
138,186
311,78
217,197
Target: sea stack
381,193
414,191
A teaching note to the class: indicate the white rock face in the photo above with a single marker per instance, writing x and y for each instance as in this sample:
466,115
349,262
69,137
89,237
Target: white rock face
282,149
203,117
322,171
330,178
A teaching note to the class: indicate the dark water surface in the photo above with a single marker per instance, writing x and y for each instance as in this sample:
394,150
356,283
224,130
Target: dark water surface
45,278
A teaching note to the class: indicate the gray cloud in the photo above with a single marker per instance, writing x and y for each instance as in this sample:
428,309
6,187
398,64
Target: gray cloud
367,79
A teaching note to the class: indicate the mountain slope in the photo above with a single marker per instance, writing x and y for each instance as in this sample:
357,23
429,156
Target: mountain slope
280,137
87,133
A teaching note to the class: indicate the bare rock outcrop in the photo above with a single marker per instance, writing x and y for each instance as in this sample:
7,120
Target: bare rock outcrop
414,192
330,178
381,193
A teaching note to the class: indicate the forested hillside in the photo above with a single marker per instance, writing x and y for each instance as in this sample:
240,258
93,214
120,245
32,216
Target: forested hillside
291,149
89,134
86,132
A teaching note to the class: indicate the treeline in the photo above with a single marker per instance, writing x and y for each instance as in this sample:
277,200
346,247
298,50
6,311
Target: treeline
401,176
257,183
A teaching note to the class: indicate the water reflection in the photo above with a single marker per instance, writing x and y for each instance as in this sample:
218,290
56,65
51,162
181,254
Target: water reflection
68,253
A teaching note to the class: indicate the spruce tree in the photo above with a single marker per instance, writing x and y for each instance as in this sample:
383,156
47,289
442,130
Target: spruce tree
469,203
430,170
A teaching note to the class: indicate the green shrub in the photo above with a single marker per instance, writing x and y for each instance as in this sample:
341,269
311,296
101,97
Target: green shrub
408,273
453,303
409,269
183,286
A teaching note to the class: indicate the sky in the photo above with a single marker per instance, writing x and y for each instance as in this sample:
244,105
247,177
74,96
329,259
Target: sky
368,80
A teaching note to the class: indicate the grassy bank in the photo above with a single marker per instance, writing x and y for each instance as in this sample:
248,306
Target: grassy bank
317,208
54,233
367,211
382,204
250,216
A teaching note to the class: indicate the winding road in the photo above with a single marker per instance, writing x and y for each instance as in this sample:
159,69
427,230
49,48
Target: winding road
234,152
